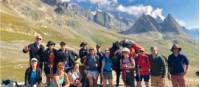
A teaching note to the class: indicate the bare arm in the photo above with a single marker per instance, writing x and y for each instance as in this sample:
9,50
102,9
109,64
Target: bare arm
103,64
186,69
133,65
67,82
56,80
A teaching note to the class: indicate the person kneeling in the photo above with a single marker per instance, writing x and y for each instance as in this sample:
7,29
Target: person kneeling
75,76
33,74
60,79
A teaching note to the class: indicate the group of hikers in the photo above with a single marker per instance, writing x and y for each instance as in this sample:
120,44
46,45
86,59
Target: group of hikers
125,57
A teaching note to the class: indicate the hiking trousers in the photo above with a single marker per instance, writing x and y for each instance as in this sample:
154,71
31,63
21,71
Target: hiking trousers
178,81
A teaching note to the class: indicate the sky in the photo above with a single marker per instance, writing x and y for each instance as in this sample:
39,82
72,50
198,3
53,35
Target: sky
186,12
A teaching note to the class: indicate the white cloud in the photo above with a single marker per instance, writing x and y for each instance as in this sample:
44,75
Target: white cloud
100,2
181,22
140,9
157,13
65,0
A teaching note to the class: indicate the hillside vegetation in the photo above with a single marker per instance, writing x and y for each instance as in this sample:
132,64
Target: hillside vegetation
18,29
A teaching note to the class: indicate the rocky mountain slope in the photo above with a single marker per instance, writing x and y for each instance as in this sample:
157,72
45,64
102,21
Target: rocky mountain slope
21,20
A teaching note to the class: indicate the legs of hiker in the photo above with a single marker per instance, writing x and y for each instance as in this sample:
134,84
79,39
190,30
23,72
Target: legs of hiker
91,82
147,84
48,80
104,82
178,81
129,80
84,79
107,77
95,82
157,81
118,73
139,84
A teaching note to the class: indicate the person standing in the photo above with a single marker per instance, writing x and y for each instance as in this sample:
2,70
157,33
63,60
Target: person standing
83,52
91,63
178,65
33,74
106,69
67,56
157,68
50,61
142,68
36,50
127,65
100,54
117,56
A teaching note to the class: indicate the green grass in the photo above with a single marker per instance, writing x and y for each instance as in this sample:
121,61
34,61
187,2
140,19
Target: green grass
23,30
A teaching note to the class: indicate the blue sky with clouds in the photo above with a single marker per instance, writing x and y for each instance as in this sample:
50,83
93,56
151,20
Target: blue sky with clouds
184,11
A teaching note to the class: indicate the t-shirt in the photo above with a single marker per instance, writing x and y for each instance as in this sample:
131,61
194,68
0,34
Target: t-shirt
32,79
176,64
107,64
74,75
51,58
92,63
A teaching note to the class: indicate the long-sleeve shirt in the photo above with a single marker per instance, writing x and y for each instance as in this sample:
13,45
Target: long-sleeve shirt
157,67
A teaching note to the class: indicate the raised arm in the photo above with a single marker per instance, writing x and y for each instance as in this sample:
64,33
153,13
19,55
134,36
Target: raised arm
26,49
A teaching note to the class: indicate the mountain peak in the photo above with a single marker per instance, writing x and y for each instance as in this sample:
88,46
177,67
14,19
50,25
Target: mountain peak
145,23
171,25
170,18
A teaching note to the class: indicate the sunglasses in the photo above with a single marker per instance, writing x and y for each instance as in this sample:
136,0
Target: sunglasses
61,67
38,38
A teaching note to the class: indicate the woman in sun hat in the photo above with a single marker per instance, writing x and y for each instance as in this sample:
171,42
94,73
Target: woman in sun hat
50,61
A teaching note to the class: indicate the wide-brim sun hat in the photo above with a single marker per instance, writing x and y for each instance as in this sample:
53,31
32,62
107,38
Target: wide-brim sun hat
83,44
49,43
176,46
62,43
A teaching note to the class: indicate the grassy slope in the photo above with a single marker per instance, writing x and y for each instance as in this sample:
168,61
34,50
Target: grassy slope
18,30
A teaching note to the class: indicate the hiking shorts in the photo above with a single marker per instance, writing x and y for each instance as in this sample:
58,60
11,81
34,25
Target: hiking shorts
107,75
47,70
92,74
129,79
141,77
